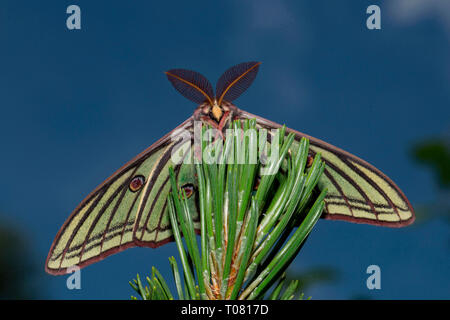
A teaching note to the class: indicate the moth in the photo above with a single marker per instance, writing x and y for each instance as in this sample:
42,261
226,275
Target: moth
130,208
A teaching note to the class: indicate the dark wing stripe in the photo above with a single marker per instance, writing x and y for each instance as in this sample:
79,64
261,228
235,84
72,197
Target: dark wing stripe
167,227
113,213
155,174
121,189
97,197
158,227
128,214
114,231
150,211
155,200
351,181
376,205
80,223
355,206
119,201
339,189
103,209
374,185
97,217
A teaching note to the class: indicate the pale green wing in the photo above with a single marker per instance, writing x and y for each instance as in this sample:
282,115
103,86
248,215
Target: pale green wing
152,228
357,191
104,221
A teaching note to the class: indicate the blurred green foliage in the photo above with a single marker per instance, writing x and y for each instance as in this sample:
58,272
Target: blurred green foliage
313,277
435,154
17,271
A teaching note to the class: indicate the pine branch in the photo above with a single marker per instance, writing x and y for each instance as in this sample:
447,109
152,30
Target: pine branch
248,220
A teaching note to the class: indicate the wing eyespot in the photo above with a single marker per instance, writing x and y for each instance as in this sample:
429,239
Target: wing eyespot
188,190
136,183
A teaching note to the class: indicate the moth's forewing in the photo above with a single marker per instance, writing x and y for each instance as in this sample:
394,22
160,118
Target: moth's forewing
152,226
105,221
357,191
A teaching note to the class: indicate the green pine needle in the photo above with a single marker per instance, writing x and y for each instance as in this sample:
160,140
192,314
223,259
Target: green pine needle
248,220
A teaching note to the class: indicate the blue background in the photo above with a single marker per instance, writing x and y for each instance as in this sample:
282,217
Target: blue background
76,105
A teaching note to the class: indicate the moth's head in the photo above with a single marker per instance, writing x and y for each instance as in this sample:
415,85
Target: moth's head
230,86
215,111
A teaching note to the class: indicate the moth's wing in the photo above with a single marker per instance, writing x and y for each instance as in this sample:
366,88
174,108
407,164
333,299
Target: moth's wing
103,223
152,228
357,191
